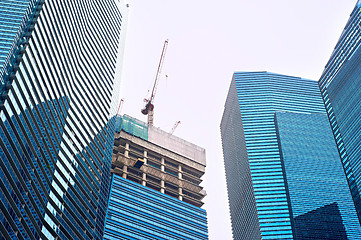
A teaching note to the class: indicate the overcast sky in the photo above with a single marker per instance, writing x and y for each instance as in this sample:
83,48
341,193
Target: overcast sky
208,41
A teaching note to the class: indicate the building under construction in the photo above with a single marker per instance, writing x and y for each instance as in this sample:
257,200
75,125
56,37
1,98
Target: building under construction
156,192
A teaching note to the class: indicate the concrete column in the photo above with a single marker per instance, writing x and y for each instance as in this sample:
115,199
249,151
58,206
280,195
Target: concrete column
162,186
180,171
145,156
125,170
126,153
162,166
144,182
180,197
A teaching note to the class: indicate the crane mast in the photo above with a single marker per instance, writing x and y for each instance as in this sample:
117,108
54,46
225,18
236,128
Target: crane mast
149,106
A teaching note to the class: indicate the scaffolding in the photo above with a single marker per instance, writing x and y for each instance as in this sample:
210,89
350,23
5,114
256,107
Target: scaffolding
132,126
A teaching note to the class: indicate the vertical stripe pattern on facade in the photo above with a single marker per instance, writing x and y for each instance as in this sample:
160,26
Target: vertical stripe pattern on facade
56,125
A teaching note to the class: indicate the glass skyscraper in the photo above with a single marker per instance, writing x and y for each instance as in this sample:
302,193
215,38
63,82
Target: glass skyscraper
319,198
340,85
268,143
11,14
58,96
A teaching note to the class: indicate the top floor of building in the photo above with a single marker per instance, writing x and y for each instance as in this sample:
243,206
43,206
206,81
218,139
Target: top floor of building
158,160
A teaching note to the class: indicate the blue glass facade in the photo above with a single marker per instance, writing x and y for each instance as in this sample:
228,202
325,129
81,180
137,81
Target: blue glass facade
11,14
340,86
242,203
253,99
138,212
24,167
319,197
57,101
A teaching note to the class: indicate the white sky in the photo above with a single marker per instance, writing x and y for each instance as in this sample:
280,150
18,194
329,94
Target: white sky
208,41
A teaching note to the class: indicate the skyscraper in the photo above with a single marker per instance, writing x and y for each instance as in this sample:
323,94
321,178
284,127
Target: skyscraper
318,195
11,14
156,192
340,85
282,167
57,98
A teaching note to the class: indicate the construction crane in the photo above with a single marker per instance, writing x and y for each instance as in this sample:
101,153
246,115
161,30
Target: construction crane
149,106
174,127
120,106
